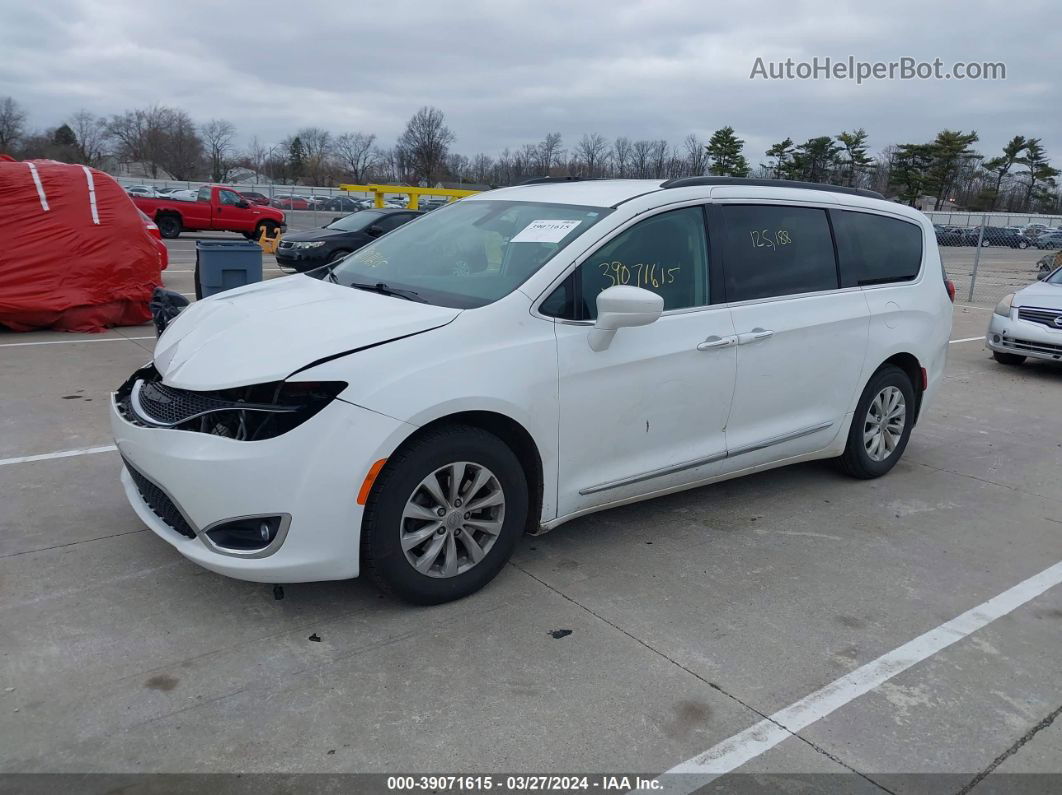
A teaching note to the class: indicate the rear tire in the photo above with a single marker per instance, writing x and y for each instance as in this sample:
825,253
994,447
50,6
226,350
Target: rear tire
881,425
1009,359
169,225
402,527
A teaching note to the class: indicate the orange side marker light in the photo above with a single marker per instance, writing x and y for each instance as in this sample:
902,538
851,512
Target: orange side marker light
370,478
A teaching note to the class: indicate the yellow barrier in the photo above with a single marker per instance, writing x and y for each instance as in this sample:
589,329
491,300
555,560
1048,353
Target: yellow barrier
269,244
414,194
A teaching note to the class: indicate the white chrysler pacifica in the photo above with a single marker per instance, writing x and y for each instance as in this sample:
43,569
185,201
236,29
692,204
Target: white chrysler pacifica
526,356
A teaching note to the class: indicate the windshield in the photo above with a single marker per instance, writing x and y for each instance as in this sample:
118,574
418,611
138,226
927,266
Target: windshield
354,222
1055,278
470,253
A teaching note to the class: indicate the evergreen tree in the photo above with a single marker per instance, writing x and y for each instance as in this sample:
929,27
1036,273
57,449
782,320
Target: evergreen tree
724,154
296,158
1001,166
782,152
856,157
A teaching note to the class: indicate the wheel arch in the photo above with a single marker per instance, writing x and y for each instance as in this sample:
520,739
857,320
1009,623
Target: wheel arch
911,365
515,436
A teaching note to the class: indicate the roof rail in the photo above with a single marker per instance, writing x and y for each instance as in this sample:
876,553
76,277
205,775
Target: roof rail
544,180
691,182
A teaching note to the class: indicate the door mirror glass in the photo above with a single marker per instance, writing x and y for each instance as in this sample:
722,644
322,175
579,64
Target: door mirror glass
623,306
243,204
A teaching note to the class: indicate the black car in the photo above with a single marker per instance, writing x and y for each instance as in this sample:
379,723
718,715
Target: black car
345,204
304,251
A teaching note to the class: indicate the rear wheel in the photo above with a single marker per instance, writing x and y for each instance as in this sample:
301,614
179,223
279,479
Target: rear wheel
169,225
444,515
1010,359
881,425
1023,244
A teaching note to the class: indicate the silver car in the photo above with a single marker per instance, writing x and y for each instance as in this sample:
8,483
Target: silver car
1028,323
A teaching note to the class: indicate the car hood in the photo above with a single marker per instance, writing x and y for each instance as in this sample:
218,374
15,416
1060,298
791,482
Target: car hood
1042,294
265,332
311,235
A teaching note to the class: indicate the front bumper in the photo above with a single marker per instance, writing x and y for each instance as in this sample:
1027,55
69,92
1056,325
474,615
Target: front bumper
1023,338
311,474
302,259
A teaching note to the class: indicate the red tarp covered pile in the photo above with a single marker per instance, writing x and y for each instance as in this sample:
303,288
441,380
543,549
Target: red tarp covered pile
75,254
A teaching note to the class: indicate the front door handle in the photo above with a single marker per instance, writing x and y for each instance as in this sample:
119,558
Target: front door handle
714,342
756,335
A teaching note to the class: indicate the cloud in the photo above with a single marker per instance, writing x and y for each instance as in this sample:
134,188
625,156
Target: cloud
508,71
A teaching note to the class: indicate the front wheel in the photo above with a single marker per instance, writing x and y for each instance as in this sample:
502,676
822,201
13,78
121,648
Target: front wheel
1023,244
1011,359
881,425
444,515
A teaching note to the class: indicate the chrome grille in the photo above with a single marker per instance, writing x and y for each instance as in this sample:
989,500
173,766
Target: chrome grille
169,406
1051,318
1028,346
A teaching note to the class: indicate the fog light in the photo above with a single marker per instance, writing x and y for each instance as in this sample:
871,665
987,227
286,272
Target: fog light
995,339
245,535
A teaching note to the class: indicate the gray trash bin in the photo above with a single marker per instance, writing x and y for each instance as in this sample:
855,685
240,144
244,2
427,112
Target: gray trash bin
223,264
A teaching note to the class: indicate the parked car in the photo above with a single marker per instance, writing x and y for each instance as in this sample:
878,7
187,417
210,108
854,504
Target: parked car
255,198
156,235
141,190
1051,238
318,202
346,204
307,250
1032,231
1028,323
997,236
164,193
289,201
185,195
950,235
531,355
217,207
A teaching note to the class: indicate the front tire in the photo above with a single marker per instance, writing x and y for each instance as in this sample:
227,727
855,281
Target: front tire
1023,244
881,425
444,515
1009,359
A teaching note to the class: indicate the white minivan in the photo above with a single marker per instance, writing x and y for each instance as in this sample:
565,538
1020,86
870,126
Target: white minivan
525,356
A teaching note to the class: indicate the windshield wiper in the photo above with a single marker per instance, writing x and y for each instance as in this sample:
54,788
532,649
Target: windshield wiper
383,289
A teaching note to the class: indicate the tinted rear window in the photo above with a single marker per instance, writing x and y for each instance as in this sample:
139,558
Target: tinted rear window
875,249
771,250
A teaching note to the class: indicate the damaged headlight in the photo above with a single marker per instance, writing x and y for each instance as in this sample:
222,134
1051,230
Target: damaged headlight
249,413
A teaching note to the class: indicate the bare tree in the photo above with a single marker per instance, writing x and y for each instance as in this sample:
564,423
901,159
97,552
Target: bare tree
481,168
425,142
255,157
592,150
696,156
12,123
355,154
621,156
641,158
218,135
550,152
317,149
90,132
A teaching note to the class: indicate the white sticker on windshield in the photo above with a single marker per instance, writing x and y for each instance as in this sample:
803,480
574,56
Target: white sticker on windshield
548,231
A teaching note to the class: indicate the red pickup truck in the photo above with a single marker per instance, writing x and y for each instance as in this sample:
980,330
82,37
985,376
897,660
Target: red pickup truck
216,208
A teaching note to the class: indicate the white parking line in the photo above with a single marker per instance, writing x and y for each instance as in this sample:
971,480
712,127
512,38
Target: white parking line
769,732
71,342
25,459
966,339
971,306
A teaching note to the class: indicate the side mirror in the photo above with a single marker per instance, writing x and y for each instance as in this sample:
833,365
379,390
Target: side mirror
623,306
243,204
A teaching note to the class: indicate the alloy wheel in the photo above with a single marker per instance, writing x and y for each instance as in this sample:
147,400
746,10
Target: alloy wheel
452,519
884,423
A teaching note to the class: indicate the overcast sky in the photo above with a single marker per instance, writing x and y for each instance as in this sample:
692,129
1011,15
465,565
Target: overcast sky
506,72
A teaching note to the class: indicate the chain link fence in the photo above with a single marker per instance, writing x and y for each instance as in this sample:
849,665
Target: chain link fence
988,255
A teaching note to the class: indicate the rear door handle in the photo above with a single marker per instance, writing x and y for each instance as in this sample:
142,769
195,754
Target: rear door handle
756,335
714,342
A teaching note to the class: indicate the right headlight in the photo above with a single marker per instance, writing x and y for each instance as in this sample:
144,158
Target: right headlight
1003,307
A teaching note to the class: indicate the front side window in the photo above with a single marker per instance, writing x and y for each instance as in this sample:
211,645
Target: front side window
470,253
355,222
667,254
875,249
228,197
773,250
